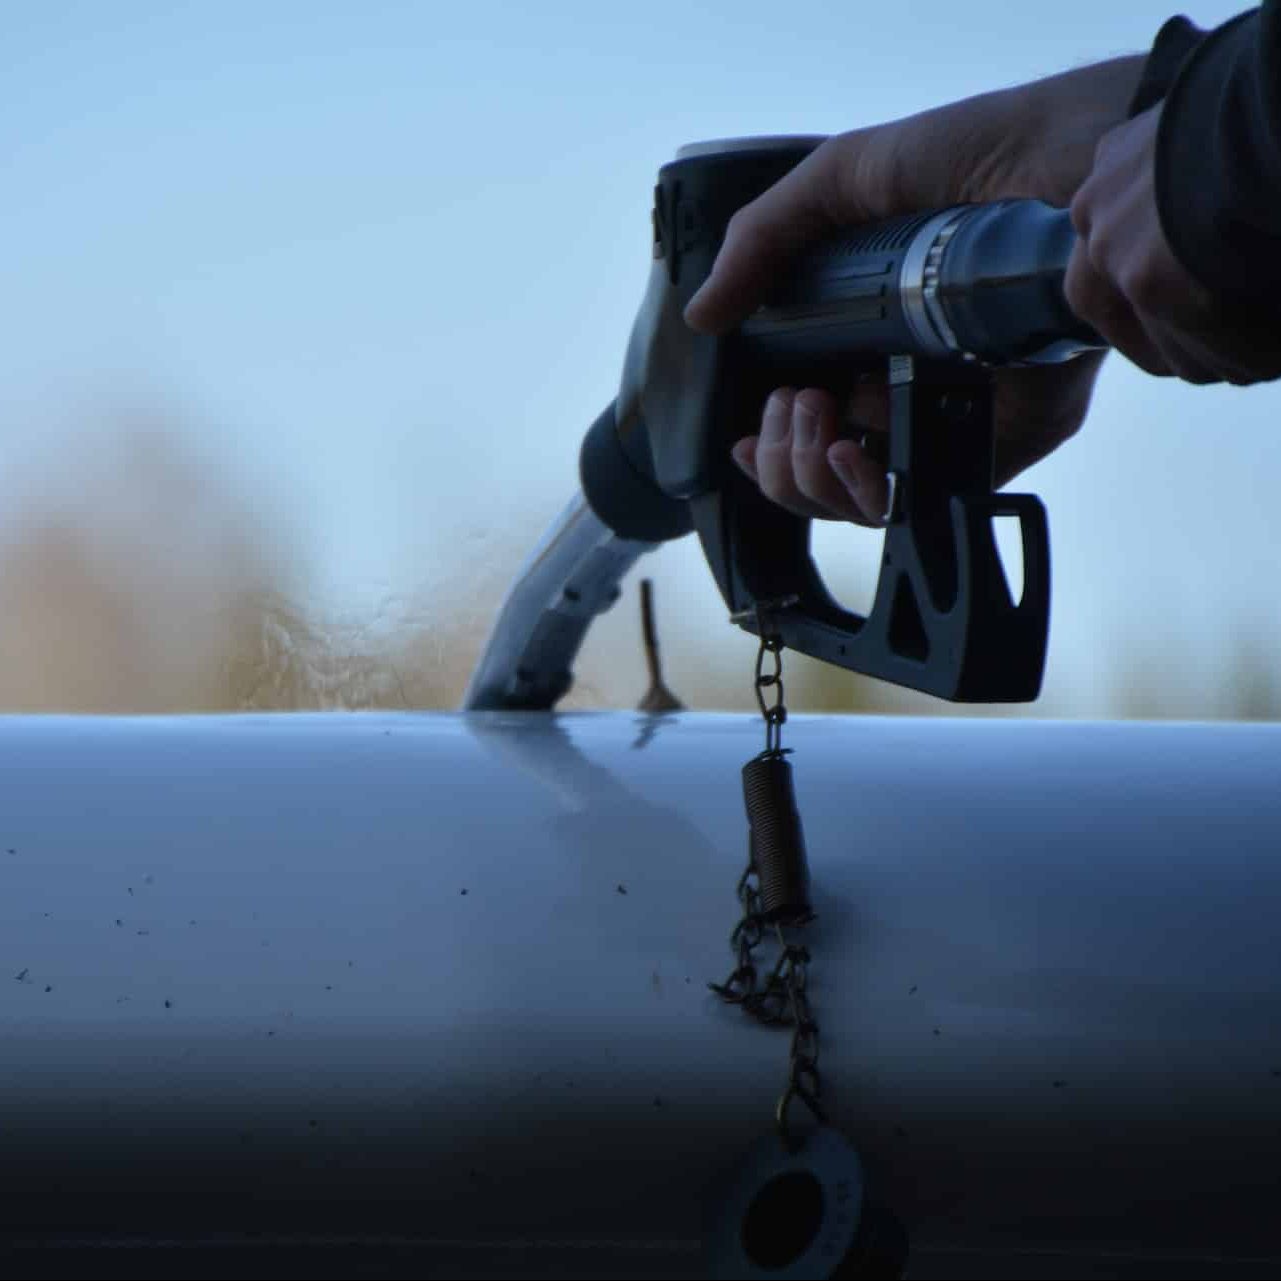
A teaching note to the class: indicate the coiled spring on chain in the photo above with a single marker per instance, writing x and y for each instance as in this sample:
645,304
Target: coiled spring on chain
777,841
774,892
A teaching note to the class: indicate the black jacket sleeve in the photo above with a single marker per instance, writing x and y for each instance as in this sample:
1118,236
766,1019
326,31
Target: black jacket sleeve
1172,45
1218,150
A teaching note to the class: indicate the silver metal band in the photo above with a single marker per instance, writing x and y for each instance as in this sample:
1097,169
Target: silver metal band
918,284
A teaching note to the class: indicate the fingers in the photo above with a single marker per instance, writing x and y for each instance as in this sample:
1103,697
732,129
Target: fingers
1094,298
863,478
1036,409
836,469
802,460
762,238
1165,350
1124,279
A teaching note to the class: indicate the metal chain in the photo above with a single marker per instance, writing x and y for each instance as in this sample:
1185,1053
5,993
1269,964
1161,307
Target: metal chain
775,714
782,998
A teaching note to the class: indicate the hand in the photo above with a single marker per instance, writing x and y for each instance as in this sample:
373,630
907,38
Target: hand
1124,279
1038,141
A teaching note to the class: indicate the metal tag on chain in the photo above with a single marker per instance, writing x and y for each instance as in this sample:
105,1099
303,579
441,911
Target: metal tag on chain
784,1214
793,1207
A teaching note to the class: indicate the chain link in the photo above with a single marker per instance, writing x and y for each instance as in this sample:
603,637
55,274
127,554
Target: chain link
781,999
775,713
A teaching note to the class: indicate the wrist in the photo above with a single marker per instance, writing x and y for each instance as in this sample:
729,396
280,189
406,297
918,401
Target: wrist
1100,93
1068,114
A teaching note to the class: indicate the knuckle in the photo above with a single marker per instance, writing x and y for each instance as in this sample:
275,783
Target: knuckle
809,485
1239,377
1131,340
1196,367
1103,149
1089,296
1065,424
1079,211
1146,361
776,420
1142,287
738,220
746,231
774,475
1098,251
1074,287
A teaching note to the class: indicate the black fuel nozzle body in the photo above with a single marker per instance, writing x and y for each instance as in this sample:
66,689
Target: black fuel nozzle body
939,300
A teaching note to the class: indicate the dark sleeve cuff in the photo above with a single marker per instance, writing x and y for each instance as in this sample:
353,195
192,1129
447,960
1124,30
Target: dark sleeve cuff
1172,45
1218,161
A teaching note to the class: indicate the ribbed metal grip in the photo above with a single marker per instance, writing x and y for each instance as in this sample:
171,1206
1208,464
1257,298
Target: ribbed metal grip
778,842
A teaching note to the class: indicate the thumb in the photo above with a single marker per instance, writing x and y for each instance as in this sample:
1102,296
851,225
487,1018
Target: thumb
763,237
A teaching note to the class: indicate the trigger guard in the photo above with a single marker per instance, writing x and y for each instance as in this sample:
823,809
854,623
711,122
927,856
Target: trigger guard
972,525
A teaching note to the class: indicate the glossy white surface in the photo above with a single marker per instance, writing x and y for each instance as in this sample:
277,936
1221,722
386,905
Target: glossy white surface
1045,967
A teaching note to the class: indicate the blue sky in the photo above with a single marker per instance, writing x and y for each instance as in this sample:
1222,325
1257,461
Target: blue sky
382,260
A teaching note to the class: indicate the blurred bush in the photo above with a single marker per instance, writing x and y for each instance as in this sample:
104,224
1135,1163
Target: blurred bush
144,580
140,580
